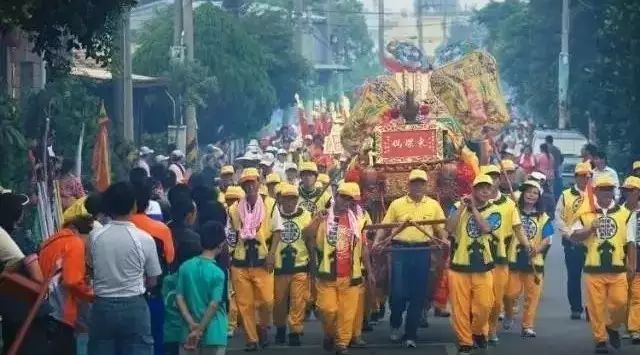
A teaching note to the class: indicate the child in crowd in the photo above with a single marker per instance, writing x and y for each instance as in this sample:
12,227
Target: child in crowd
199,296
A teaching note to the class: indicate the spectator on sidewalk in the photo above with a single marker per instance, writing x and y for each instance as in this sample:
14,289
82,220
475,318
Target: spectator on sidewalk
527,160
601,168
558,159
546,165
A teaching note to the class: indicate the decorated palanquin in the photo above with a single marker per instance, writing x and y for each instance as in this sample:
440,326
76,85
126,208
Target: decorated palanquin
423,119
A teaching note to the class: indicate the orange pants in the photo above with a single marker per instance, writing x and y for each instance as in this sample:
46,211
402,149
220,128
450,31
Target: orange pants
337,302
471,298
606,293
634,305
500,282
358,320
254,294
518,282
291,294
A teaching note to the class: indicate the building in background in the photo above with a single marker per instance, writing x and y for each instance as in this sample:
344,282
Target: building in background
21,70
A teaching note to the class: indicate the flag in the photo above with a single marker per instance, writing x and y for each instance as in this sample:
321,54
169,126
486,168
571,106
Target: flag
101,164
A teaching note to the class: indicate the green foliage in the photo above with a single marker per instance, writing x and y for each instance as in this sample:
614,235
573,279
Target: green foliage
56,26
12,144
68,102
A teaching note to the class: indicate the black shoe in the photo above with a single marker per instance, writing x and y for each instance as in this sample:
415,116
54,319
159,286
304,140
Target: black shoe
635,338
480,341
294,339
263,337
601,348
465,350
281,335
576,315
614,338
342,351
251,347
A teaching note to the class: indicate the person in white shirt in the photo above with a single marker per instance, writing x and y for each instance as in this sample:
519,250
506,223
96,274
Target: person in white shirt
145,153
280,164
176,166
600,168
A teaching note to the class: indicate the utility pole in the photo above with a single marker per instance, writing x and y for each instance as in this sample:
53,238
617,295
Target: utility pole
563,70
419,8
443,8
127,86
298,10
381,31
190,109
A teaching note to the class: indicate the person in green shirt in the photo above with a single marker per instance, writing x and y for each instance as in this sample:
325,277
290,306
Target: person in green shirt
199,296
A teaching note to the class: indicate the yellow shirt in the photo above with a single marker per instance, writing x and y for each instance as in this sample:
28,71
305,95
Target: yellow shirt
471,250
405,209
503,233
292,255
314,201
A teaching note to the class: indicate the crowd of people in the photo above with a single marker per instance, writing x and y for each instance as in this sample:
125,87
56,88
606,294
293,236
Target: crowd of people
173,262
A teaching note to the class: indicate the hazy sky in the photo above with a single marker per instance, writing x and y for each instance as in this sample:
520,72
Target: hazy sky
408,4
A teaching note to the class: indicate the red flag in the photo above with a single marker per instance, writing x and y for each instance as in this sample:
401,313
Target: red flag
101,164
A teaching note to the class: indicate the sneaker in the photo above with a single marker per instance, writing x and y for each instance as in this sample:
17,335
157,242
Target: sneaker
251,347
465,350
614,338
395,336
358,343
507,323
480,341
635,338
410,344
576,315
327,344
625,335
493,340
501,316
601,348
294,339
342,351
528,333
281,335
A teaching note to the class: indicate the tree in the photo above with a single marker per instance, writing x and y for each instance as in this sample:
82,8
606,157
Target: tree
231,55
57,26
12,144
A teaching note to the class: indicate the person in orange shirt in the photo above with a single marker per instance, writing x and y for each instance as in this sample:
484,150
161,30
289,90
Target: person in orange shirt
62,257
166,253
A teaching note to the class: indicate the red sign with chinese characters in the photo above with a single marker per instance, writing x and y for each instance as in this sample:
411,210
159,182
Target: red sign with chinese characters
413,145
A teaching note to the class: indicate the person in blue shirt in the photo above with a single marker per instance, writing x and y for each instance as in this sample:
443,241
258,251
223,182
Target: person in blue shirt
199,296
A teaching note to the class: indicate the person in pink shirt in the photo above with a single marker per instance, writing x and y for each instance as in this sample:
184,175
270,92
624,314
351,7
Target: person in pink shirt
527,160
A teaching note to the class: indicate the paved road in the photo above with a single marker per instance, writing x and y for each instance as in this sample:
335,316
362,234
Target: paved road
557,334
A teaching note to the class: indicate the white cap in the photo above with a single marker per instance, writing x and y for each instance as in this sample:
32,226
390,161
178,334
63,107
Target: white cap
267,159
289,166
252,155
282,151
510,151
309,137
271,149
144,150
177,154
161,158
538,176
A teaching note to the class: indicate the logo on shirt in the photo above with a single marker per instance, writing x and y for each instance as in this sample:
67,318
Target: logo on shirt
473,229
530,227
337,233
290,232
607,228
576,204
308,205
232,236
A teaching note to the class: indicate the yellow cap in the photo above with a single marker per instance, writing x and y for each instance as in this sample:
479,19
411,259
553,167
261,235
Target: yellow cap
636,165
262,190
285,189
234,192
227,169
632,182
482,179
77,209
417,174
532,183
272,178
324,178
508,165
604,181
309,166
249,174
489,169
350,189
582,168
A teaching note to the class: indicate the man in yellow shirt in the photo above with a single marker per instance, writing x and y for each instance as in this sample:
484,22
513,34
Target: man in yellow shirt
410,268
254,222
573,202
510,226
342,262
604,232
312,198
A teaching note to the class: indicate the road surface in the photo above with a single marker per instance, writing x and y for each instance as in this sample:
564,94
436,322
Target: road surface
557,334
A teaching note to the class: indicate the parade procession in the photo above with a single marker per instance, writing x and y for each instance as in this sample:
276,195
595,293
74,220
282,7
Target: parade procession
421,213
